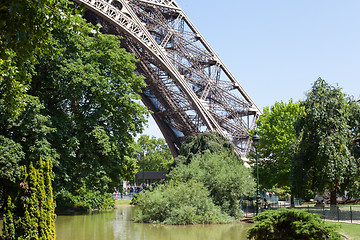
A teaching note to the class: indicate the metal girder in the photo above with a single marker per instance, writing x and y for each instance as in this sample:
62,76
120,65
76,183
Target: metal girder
188,89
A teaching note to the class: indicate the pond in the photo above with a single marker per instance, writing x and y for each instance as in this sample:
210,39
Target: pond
117,224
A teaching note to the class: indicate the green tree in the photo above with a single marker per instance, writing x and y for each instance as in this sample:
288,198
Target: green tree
22,139
155,152
8,231
197,145
26,27
221,171
278,143
77,87
324,160
25,36
290,224
354,182
88,91
33,217
11,155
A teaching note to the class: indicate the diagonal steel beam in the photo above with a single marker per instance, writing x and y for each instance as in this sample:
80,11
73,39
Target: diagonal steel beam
191,77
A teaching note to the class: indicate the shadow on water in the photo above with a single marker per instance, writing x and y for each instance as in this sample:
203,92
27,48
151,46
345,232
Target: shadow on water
117,224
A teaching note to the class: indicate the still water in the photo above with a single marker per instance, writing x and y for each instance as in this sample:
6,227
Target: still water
117,224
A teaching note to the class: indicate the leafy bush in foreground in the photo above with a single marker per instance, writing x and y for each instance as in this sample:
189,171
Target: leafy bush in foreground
179,203
290,224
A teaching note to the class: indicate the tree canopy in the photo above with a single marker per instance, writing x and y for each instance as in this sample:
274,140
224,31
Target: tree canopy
210,168
26,28
198,145
324,160
68,93
155,152
278,143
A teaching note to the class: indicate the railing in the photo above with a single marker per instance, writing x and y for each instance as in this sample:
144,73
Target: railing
339,213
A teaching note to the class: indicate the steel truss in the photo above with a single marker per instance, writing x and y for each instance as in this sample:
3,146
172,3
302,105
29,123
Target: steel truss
188,88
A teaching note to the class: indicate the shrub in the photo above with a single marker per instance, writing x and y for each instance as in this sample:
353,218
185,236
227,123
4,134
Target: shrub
134,200
90,200
225,176
290,224
179,203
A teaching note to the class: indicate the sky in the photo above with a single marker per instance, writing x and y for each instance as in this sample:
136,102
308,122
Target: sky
276,49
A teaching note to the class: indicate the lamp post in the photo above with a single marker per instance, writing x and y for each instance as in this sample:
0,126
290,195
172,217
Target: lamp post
256,139
143,145
143,155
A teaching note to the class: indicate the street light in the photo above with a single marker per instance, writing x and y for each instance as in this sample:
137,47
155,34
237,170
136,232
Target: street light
256,139
143,155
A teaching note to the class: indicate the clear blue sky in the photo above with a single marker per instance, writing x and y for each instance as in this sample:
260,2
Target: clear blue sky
276,49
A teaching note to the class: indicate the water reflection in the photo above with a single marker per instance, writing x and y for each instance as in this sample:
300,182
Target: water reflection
118,225
208,232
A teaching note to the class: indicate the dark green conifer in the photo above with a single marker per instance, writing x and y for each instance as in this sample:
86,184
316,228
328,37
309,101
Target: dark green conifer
8,224
33,217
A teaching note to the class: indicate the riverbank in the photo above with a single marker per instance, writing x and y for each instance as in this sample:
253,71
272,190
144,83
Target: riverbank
122,202
349,230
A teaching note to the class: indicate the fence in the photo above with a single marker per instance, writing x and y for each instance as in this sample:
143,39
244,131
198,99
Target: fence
335,213
127,196
343,213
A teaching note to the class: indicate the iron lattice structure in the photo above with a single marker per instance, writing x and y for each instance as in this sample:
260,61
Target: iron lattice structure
188,88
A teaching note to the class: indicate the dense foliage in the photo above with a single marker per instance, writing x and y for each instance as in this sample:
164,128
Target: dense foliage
223,175
210,158
23,139
208,166
179,203
26,27
324,160
354,182
88,92
290,224
154,155
32,217
197,145
278,143
67,92
25,34
308,146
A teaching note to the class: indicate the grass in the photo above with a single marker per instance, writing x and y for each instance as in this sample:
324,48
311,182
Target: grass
350,229
122,202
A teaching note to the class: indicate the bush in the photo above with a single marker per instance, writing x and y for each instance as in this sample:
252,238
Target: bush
290,224
179,203
225,176
90,200
134,200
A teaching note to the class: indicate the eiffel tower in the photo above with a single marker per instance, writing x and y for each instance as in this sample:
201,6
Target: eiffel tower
188,88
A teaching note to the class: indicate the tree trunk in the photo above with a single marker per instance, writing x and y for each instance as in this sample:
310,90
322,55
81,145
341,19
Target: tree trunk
333,197
292,201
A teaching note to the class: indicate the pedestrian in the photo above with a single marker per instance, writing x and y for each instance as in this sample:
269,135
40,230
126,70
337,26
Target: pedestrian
265,203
